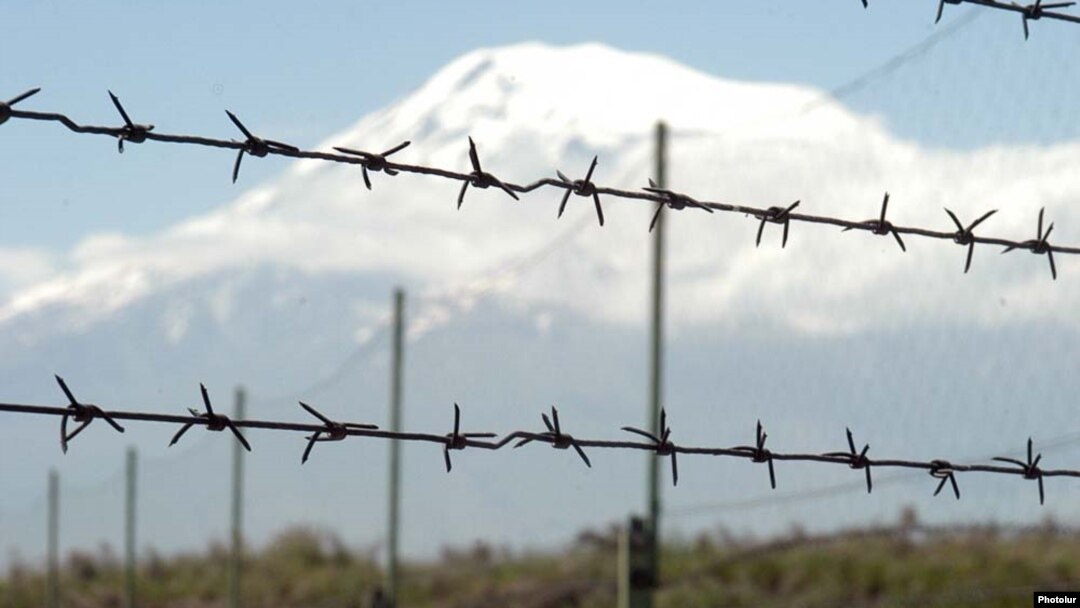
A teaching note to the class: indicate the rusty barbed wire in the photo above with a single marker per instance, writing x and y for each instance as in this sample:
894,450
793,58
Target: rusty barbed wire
659,442
1028,12
665,199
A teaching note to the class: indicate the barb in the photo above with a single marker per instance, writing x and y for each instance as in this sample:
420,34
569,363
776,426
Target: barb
135,133
558,439
659,443
662,444
478,178
1036,11
335,431
375,162
776,215
1039,245
965,236
458,440
758,453
213,422
881,226
582,187
79,412
858,460
5,106
255,146
671,199
1028,12
943,470
1030,469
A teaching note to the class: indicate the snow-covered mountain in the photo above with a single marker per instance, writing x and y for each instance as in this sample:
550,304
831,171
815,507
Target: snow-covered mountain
286,290
534,108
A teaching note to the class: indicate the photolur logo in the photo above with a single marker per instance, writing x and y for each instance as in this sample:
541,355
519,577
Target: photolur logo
1056,598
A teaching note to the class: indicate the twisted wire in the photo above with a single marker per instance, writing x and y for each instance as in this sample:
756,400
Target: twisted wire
478,178
658,441
1028,12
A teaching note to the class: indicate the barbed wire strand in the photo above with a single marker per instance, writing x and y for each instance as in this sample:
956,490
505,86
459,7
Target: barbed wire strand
1053,444
478,178
659,442
1028,12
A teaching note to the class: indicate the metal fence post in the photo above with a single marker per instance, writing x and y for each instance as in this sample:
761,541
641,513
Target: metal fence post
52,580
635,576
236,552
129,530
395,448
656,357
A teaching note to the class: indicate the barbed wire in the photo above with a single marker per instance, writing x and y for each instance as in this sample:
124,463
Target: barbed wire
1028,12
658,441
831,491
478,178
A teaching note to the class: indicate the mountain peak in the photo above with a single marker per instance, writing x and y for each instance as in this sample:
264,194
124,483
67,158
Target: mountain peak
595,91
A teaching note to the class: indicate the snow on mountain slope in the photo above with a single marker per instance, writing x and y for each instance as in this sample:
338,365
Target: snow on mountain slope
534,108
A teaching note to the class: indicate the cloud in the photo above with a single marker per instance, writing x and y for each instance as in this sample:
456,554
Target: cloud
20,267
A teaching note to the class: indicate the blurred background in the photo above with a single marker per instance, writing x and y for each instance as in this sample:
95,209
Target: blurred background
138,276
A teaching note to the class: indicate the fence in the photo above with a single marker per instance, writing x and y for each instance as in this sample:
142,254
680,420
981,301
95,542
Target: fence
664,198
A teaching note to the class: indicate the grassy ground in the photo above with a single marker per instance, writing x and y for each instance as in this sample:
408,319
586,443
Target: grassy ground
907,565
